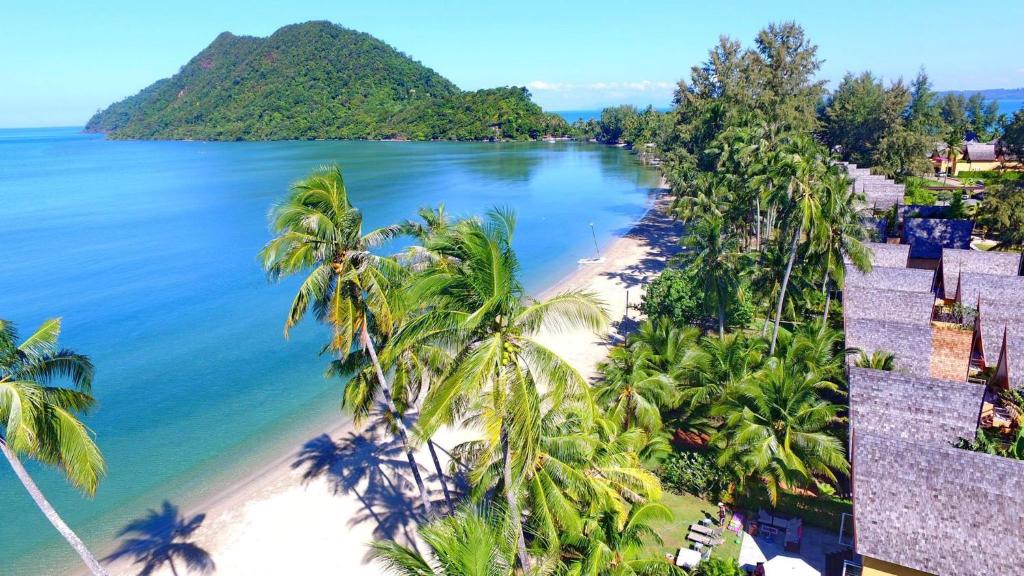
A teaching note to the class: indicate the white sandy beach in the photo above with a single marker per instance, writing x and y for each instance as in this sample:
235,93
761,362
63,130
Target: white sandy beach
280,523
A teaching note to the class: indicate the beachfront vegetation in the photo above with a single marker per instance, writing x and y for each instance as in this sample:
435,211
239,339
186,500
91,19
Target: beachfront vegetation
318,80
738,355
39,418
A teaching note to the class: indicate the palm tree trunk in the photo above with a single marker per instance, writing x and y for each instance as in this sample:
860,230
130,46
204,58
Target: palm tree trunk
757,207
510,501
785,284
440,477
721,318
50,513
403,432
828,297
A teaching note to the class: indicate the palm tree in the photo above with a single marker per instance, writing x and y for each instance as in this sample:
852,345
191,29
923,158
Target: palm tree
815,348
473,542
39,418
842,234
717,262
610,546
161,537
349,288
775,429
633,390
878,360
664,343
712,366
499,364
805,167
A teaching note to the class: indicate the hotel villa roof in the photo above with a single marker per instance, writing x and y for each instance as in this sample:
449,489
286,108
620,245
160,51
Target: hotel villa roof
955,261
941,411
884,278
936,508
978,152
884,304
993,289
888,255
910,344
929,236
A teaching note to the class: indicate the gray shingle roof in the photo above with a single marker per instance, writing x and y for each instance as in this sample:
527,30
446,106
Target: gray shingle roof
928,236
884,278
884,304
955,261
910,407
978,152
911,344
939,509
994,290
888,255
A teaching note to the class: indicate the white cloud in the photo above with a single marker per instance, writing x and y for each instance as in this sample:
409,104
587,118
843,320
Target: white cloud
598,94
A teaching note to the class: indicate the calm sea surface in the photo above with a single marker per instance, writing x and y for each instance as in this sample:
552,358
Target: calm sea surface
148,252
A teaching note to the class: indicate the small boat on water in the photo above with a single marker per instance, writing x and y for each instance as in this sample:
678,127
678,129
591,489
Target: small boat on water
599,258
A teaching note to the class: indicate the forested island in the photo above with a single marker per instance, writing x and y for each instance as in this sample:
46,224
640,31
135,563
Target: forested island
318,80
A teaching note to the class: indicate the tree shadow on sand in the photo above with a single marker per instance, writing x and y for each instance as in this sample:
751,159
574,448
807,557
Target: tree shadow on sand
163,537
372,466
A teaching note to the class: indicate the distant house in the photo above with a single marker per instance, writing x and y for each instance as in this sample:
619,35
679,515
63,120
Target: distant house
978,156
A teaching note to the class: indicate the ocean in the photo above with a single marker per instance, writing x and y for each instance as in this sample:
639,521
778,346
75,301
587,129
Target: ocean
148,252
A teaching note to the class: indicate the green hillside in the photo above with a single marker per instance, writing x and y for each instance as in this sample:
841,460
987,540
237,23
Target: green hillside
317,80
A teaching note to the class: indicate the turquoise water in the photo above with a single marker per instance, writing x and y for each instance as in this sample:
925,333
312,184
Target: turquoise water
1009,107
148,251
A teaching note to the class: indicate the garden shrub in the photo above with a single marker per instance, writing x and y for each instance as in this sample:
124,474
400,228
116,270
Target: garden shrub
695,473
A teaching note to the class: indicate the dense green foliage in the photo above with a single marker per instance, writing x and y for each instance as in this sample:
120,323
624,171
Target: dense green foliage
673,295
318,80
694,473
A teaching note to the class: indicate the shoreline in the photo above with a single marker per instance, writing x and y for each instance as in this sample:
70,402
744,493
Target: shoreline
272,521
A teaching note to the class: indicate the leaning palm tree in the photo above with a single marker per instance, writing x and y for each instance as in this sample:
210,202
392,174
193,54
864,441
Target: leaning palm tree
39,418
320,234
473,542
499,365
805,199
775,429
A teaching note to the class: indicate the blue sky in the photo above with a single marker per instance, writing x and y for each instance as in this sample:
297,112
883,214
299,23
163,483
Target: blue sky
64,60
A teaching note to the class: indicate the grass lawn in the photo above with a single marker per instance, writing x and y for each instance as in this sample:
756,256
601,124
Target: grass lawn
687,510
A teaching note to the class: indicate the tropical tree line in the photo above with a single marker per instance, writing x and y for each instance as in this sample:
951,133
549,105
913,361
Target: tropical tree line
749,362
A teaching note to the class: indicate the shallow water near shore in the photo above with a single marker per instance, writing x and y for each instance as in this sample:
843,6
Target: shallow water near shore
148,251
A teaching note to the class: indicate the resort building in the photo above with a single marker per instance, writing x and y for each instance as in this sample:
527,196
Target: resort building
953,319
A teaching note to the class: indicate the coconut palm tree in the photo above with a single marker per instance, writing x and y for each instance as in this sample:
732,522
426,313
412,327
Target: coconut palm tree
804,172
39,418
713,366
320,234
842,234
775,429
499,364
616,548
663,342
878,360
473,542
717,261
634,390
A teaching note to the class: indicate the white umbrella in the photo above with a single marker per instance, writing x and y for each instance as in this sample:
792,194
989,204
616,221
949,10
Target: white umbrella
789,566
